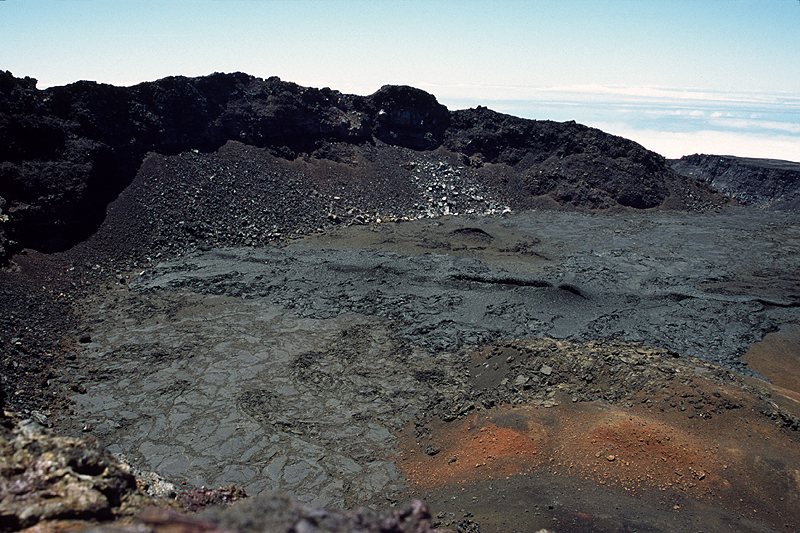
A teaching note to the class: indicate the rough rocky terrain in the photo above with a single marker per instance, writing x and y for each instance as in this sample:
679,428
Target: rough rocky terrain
67,152
46,477
53,483
228,281
765,183
229,159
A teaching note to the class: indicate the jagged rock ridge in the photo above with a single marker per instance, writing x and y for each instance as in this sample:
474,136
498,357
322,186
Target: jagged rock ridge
768,183
67,152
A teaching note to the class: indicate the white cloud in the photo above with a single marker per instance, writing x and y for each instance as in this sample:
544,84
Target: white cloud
669,112
672,144
756,125
594,93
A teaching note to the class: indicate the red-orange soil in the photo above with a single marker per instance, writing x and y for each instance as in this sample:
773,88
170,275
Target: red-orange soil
734,460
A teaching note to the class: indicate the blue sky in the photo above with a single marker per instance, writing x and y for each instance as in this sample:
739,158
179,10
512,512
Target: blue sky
680,77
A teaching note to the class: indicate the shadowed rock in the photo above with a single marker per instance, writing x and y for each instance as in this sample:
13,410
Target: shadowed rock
767,183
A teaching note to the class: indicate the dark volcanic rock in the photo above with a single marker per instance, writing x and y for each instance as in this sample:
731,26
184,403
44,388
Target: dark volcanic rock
60,483
33,323
408,117
46,477
761,182
199,498
67,152
577,164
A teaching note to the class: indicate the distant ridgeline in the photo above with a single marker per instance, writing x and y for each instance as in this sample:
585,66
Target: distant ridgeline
761,182
67,152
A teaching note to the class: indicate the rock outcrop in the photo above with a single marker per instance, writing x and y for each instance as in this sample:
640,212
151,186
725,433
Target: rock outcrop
47,477
766,183
574,163
67,152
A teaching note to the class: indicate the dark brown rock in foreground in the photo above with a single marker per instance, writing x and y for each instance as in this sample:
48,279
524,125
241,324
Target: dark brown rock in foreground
48,477
277,513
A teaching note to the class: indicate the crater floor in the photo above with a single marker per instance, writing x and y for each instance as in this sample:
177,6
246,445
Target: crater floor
318,367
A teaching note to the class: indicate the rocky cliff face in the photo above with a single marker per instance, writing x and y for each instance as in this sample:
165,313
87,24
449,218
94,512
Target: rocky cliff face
761,182
67,152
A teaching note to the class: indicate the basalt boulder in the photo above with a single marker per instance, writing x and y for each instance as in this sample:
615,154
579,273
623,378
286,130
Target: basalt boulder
47,477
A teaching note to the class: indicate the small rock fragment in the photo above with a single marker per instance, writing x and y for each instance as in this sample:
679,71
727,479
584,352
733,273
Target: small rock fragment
432,450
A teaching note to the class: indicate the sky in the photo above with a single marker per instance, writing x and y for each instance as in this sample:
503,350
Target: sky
679,77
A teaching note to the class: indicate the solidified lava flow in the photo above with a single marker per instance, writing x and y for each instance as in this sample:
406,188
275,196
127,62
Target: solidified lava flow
354,366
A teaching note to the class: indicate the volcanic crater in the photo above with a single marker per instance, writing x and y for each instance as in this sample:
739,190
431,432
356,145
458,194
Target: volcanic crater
360,300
